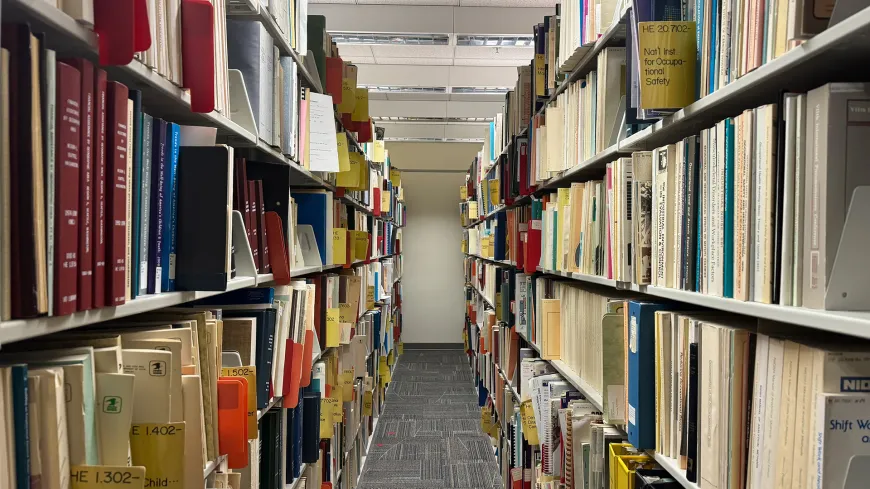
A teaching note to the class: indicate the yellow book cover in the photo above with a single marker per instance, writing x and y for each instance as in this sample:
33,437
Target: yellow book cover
160,449
361,107
494,197
351,177
343,158
540,71
348,96
339,246
379,156
386,201
667,60
463,192
106,477
360,245
332,327
530,427
395,177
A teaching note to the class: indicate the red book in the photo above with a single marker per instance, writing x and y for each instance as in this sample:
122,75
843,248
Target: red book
263,239
376,201
116,193
334,72
278,259
255,232
142,30
364,131
197,53
85,291
68,141
98,178
114,22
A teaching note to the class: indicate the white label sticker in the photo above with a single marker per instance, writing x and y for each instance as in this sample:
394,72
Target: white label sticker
615,402
143,272
172,266
536,225
158,279
632,335
631,414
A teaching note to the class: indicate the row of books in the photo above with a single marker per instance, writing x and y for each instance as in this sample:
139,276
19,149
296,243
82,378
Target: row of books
76,399
328,231
732,402
547,433
724,213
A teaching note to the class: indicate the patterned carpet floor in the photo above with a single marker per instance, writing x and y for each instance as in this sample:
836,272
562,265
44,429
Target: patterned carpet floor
429,435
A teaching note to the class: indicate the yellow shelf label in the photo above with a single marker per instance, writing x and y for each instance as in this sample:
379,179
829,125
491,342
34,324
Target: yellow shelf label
332,332
106,477
530,428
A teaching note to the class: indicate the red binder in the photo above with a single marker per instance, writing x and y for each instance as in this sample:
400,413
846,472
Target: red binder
278,254
292,376
197,53
364,130
233,420
142,33
115,25
307,359
334,72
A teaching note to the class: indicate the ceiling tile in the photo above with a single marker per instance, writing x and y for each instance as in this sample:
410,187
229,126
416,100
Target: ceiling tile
476,97
431,97
474,109
350,50
486,52
454,3
406,108
415,130
415,61
347,2
377,96
359,60
507,3
489,62
412,51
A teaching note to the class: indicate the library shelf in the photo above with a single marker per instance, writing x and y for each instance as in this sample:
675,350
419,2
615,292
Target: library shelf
261,14
487,216
163,98
500,263
828,56
508,383
213,465
571,376
22,329
295,483
485,299
275,401
842,322
671,466
613,36
584,171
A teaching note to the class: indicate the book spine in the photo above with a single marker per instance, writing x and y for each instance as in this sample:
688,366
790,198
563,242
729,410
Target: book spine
134,227
692,416
99,182
116,193
85,292
728,229
262,240
170,231
128,201
145,202
158,206
69,119
48,94
251,205
21,413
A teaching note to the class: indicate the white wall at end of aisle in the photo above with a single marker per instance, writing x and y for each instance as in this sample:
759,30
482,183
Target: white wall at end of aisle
433,308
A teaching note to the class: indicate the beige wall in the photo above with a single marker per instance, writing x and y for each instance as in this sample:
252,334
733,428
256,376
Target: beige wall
434,300
432,156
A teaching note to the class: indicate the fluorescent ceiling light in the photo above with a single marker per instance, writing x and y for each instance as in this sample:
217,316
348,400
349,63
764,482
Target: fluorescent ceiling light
480,90
403,89
390,39
438,120
435,140
494,41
